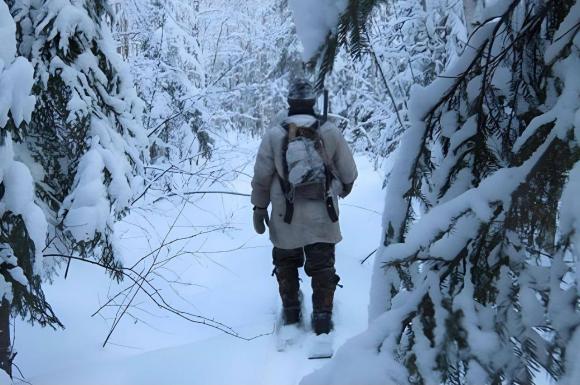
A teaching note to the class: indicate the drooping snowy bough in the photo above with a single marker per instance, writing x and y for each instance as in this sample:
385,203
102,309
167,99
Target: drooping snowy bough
22,223
85,141
483,287
71,149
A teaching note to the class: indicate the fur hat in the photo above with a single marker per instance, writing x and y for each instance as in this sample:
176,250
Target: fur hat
301,91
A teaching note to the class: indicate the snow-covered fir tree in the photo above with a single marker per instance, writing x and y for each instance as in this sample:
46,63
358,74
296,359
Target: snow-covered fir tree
483,286
22,223
71,145
85,141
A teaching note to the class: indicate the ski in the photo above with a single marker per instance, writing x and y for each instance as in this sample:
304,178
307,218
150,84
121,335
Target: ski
320,357
288,335
321,347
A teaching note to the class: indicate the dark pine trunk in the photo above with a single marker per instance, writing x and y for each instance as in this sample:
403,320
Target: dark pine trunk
5,351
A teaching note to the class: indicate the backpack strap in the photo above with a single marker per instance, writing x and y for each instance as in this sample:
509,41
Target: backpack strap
330,173
285,185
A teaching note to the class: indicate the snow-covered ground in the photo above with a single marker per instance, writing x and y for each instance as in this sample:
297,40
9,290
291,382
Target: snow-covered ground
230,272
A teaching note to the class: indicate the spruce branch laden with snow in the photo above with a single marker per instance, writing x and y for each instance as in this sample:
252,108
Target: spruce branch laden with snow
406,43
483,287
85,140
22,222
394,45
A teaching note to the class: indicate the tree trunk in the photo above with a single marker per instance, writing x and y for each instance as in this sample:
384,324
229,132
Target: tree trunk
5,350
469,9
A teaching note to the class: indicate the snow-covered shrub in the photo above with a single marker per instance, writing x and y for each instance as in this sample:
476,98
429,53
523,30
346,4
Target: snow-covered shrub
160,40
483,287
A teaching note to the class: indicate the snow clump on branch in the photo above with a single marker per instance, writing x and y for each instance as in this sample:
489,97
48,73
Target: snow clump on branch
314,21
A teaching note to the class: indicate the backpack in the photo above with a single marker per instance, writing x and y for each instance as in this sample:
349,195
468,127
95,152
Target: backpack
308,172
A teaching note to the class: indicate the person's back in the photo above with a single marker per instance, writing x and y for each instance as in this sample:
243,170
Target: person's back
301,168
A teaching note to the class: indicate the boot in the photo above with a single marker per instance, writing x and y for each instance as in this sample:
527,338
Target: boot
323,287
322,322
291,315
289,288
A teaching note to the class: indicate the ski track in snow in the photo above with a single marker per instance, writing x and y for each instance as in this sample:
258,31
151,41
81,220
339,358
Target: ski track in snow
236,288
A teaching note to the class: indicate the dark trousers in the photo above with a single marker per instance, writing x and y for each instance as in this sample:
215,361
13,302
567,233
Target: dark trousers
319,266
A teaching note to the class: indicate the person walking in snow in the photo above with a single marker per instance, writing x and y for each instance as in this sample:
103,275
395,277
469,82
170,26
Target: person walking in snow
302,167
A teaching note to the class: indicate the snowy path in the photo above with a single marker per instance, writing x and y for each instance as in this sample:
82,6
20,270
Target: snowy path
235,288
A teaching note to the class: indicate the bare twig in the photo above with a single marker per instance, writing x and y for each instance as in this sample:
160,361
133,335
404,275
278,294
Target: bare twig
368,256
145,286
